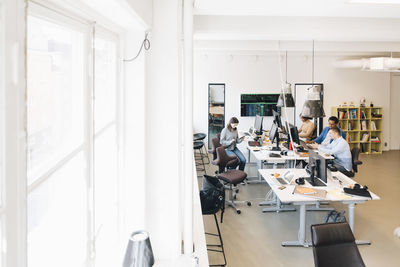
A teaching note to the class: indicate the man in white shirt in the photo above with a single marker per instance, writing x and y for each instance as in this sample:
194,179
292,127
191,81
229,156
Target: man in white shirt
339,148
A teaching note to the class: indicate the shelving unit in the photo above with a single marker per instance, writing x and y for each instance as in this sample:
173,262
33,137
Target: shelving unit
363,127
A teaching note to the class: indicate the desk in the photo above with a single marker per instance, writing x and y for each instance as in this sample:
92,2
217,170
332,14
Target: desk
334,189
263,156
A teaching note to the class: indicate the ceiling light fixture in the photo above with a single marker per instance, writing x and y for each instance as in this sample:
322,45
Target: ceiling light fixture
286,97
313,107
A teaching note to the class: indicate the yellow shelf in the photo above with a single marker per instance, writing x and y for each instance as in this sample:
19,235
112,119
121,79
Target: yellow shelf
356,133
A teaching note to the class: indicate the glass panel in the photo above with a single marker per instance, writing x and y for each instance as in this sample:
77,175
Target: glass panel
55,69
216,110
105,147
105,82
57,224
106,199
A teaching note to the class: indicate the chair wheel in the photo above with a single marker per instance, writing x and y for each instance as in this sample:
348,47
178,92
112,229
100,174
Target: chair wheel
238,212
249,203
237,190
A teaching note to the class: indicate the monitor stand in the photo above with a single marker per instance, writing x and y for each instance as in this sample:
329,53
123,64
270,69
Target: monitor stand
314,181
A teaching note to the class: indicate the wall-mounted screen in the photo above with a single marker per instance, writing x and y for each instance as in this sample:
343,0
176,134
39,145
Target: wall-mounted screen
258,104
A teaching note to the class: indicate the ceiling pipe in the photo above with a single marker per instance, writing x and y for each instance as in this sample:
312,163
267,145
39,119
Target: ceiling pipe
388,64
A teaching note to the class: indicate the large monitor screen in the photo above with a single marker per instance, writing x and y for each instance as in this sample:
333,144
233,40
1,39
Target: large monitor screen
258,104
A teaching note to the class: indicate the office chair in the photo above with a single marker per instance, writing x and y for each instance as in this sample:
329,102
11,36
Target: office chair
214,145
355,153
334,245
230,177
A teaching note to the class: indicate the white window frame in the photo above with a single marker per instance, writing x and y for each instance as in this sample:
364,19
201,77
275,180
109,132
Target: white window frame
103,33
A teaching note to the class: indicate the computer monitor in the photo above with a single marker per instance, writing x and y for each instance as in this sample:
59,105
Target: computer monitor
277,118
295,134
317,169
274,135
258,124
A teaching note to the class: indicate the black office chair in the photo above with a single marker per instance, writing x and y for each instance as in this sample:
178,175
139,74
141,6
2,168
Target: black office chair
355,153
200,166
334,245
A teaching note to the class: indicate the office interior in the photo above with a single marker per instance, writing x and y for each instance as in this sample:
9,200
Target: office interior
101,101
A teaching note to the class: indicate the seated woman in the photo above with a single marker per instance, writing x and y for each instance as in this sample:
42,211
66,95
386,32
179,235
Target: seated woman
306,129
229,138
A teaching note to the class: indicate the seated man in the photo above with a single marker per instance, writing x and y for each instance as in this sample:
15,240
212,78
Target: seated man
307,128
324,137
339,148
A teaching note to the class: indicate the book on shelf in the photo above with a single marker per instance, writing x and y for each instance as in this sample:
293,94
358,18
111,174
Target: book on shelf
348,138
375,139
353,114
342,115
362,115
349,126
365,138
363,125
373,126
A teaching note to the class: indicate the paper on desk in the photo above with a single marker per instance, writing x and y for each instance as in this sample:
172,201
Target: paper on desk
338,193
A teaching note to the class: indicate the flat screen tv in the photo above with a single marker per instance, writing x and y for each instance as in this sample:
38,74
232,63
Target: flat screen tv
258,104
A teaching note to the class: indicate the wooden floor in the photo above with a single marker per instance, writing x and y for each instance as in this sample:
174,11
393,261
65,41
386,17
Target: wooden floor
254,238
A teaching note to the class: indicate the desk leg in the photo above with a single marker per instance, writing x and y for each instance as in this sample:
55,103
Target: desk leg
278,206
268,203
257,179
351,223
301,242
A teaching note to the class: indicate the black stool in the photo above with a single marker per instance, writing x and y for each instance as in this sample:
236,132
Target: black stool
220,245
200,137
198,145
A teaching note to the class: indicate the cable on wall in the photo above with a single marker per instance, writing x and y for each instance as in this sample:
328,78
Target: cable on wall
145,45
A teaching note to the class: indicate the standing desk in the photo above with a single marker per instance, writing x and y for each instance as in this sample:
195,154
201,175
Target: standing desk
336,182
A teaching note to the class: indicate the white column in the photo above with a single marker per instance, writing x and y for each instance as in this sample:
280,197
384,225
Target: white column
15,134
163,160
188,125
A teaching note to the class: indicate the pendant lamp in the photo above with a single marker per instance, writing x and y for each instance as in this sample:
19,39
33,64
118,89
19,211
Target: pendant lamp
286,98
139,252
313,106
287,94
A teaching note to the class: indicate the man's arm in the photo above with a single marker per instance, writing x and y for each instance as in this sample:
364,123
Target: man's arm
333,148
321,137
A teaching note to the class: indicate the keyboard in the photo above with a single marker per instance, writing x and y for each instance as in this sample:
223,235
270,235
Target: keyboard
254,143
274,155
281,180
301,149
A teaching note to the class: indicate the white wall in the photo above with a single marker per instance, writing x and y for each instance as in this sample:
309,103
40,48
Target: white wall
252,74
163,131
395,112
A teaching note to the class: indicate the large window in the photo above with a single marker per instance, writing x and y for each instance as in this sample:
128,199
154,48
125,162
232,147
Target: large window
72,143
57,209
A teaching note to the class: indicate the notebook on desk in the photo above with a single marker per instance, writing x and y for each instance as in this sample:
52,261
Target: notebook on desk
309,192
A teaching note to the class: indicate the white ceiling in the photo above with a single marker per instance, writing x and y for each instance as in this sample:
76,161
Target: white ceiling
313,8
